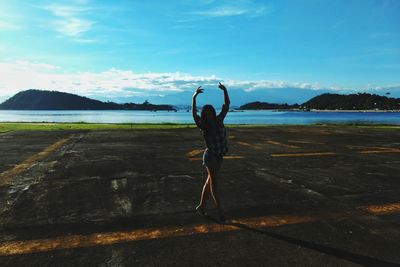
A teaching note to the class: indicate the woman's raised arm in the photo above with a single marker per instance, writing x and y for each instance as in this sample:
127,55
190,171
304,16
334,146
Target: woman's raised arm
196,117
227,102
226,96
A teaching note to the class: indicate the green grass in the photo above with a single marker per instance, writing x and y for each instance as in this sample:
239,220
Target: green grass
363,126
333,125
44,126
32,126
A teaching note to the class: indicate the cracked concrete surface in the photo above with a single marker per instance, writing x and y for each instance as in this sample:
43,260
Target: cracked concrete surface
100,185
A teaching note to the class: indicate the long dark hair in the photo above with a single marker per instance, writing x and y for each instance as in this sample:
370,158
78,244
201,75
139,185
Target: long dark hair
208,126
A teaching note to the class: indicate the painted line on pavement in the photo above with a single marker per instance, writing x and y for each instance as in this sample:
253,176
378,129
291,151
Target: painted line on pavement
394,150
19,247
194,152
225,157
249,145
7,175
310,154
281,144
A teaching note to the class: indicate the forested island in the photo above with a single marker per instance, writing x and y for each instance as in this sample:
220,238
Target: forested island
361,101
266,105
53,100
34,99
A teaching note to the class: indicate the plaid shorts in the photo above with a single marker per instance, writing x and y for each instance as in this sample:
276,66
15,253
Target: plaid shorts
209,157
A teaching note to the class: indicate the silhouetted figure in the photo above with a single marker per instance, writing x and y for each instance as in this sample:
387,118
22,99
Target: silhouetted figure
214,133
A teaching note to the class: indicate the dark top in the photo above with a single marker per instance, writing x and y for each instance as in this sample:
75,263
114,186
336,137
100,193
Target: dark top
215,138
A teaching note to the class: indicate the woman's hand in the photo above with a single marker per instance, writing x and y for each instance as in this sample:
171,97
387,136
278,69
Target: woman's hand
221,86
226,96
199,90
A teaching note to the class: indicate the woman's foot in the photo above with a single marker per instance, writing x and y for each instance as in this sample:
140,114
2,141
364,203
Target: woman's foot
200,210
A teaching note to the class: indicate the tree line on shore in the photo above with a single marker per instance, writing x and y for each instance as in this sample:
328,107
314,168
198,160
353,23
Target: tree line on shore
360,101
53,100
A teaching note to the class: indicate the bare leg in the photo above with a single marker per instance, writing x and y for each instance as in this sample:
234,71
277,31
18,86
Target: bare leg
212,170
204,194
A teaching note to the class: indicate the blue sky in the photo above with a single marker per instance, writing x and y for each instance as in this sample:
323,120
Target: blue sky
131,50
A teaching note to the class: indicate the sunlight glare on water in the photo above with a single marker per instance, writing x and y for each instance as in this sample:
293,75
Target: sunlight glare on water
245,117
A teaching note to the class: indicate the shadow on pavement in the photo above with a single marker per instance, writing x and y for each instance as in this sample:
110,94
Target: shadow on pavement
339,253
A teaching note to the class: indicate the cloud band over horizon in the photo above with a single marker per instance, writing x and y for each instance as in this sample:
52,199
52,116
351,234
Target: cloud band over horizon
116,83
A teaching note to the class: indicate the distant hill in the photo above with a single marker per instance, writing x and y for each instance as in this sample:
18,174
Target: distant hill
335,102
266,105
240,96
53,100
353,102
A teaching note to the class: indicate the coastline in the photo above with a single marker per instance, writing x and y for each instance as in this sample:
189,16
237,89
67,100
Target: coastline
60,126
352,110
324,110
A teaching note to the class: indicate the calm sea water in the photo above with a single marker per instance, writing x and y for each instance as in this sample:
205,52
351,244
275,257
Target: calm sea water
245,117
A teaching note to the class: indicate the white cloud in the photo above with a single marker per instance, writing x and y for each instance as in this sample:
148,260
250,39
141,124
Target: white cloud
22,75
266,84
72,26
9,21
70,21
23,65
66,11
88,40
222,12
3,48
234,8
9,26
